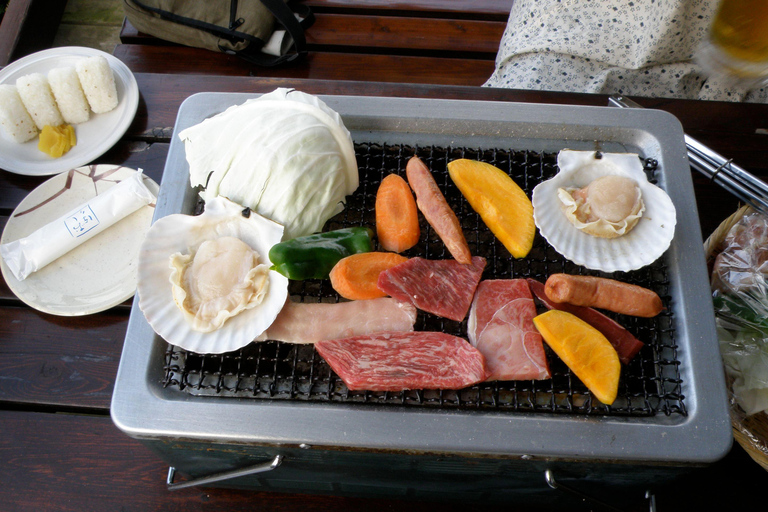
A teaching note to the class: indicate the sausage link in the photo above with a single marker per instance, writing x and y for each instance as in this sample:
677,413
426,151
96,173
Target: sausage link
603,293
436,210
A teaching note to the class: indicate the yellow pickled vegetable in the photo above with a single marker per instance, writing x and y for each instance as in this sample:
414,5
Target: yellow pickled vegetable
502,205
584,349
56,140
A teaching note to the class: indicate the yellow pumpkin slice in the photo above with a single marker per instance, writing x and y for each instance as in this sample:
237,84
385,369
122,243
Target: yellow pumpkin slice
499,201
584,349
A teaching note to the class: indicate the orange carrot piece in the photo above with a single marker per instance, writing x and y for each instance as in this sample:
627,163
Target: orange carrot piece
397,218
355,277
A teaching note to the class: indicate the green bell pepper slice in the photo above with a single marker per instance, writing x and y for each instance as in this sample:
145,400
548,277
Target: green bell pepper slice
313,256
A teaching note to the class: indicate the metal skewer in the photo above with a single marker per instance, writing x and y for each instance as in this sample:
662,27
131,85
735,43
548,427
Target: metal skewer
736,180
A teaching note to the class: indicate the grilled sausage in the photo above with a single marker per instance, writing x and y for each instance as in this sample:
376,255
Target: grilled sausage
602,293
436,210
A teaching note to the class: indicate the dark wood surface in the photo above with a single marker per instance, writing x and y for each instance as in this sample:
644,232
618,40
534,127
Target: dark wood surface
61,451
60,448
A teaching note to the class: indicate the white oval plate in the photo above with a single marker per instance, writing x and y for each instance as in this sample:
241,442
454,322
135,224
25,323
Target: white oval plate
640,247
98,274
94,137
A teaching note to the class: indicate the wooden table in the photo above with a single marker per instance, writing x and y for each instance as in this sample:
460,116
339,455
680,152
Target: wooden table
59,448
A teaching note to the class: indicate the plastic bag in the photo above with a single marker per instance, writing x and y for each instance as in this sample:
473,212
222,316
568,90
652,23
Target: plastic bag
740,296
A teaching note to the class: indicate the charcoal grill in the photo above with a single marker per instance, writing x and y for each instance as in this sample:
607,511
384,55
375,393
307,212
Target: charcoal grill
281,403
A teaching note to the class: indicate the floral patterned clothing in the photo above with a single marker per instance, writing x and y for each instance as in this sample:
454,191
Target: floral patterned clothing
633,47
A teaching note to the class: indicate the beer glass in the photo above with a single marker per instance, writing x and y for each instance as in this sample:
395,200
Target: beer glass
736,47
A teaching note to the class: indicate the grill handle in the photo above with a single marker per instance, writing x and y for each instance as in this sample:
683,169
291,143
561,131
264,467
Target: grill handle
549,476
226,475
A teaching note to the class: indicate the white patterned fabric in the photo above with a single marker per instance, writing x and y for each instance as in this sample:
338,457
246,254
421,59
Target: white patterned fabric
630,47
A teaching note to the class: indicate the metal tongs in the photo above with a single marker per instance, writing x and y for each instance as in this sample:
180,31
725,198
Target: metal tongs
739,182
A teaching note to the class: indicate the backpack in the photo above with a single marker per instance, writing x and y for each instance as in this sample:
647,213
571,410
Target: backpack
263,32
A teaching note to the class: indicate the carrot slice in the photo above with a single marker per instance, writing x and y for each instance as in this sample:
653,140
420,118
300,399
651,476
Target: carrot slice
584,349
397,218
355,277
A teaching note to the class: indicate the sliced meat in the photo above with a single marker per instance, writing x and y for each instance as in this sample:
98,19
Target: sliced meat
311,322
626,345
436,210
501,327
442,287
395,361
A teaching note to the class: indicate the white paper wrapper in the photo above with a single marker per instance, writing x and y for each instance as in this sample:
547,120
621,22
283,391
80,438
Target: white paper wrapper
31,253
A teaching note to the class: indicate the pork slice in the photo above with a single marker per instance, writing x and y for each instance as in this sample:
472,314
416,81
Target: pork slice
311,322
395,361
626,345
501,327
442,287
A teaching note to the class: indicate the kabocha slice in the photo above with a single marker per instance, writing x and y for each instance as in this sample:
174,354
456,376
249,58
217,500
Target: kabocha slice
499,201
584,350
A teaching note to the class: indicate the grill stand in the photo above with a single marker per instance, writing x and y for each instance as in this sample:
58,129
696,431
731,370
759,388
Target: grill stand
220,477
601,505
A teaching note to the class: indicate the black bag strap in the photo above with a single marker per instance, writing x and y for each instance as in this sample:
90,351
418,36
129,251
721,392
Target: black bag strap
284,15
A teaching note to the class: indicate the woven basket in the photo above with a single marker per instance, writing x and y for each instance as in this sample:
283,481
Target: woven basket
751,432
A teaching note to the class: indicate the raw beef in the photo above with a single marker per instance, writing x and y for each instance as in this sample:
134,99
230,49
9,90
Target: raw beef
501,327
442,287
396,361
626,345
311,322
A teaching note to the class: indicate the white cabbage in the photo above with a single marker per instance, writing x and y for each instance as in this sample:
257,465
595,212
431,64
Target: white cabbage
285,155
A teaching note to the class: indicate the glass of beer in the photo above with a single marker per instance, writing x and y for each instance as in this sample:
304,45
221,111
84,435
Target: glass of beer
737,44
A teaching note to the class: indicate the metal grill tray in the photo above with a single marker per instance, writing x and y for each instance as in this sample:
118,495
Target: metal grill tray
671,404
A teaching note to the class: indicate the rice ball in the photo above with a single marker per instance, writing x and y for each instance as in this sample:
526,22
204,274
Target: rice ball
69,95
14,117
98,83
35,93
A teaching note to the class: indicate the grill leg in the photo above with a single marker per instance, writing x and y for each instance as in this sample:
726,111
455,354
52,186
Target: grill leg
226,475
554,484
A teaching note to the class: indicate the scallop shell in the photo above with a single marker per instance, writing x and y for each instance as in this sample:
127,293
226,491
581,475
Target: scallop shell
643,245
180,233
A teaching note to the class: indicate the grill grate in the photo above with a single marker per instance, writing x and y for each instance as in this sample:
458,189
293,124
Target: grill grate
650,384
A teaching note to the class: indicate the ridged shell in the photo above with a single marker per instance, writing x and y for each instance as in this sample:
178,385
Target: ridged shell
180,233
647,241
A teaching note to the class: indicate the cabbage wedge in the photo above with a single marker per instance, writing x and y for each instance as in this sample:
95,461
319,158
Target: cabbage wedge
286,155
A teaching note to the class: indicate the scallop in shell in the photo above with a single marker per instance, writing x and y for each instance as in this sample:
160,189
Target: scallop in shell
252,296
638,243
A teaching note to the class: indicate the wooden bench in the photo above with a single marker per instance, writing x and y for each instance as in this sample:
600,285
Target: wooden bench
423,41
28,26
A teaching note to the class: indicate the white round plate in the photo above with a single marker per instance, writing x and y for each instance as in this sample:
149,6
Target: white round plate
98,274
94,137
